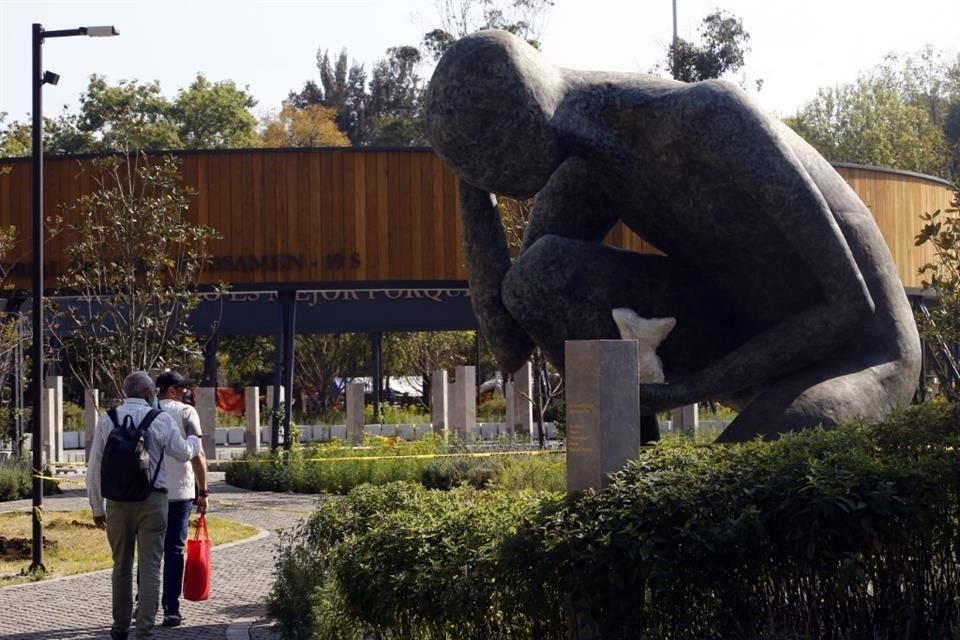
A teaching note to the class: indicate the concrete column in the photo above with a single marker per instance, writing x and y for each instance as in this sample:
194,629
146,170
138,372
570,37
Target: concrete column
518,395
463,403
603,410
48,425
251,416
439,401
91,413
55,384
685,419
268,403
355,407
207,410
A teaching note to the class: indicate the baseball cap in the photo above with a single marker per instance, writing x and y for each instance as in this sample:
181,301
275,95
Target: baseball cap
171,378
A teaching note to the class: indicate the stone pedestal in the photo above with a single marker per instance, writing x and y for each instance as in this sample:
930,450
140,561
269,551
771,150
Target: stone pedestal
603,410
48,427
439,402
355,407
251,418
518,394
463,403
55,383
91,413
685,419
206,400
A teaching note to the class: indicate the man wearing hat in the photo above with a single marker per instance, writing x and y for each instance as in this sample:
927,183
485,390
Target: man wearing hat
186,484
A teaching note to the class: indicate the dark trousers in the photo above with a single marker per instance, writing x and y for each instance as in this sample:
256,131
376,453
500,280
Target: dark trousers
178,523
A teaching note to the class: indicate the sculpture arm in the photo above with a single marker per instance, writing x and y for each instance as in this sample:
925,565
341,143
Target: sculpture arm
737,139
488,260
571,206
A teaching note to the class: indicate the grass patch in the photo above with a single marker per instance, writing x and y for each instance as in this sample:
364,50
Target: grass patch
74,545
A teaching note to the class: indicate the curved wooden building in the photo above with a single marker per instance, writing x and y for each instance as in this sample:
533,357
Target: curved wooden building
368,225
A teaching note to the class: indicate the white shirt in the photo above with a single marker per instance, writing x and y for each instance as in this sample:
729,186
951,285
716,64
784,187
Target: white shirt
164,437
180,478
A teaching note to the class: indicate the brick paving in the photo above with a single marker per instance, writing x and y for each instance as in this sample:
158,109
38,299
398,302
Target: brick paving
78,607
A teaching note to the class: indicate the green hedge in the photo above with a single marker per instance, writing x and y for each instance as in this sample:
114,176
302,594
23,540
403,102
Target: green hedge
850,533
337,467
15,482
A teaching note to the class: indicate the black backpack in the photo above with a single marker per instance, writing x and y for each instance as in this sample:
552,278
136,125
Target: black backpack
125,470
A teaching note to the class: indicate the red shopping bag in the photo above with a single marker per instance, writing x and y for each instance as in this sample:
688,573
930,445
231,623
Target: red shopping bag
198,571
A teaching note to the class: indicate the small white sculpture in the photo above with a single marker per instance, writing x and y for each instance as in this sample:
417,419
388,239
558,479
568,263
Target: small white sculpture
649,333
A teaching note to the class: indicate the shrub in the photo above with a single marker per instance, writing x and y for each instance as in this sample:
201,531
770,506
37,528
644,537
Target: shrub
319,468
440,547
337,467
72,417
493,409
850,533
16,484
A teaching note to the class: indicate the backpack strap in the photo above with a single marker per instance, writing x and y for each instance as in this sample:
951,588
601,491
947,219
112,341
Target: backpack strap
113,417
144,425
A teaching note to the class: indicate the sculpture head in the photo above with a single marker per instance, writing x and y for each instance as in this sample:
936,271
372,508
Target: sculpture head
488,111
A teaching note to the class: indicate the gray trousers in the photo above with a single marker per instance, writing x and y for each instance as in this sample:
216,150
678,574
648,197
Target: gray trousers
140,526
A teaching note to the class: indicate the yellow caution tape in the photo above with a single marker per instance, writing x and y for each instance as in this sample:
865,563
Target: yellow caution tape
418,456
75,481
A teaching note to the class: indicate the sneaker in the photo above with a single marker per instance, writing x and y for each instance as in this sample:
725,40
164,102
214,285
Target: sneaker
172,620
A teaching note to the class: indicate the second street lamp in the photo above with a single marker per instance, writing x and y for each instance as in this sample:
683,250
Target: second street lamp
38,78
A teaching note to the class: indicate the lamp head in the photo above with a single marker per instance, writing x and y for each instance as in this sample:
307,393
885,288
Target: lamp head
102,32
49,77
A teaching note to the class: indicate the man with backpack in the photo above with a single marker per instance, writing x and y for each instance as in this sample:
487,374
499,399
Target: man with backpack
186,486
125,470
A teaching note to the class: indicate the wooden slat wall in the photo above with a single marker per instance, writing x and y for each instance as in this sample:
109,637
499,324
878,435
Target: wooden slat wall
324,216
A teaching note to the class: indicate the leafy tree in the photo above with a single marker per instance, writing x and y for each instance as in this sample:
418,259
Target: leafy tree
393,108
423,352
14,327
215,115
246,360
128,115
135,115
721,50
321,359
313,126
342,88
387,109
522,18
136,258
940,325
872,122
15,138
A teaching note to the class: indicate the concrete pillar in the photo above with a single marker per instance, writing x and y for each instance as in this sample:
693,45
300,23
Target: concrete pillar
251,416
603,410
685,419
518,394
55,384
439,401
206,400
91,413
463,403
355,418
48,425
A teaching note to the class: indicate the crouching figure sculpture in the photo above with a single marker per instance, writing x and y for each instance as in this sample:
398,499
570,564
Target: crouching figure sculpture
787,302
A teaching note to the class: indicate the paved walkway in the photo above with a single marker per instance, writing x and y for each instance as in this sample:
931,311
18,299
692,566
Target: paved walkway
78,607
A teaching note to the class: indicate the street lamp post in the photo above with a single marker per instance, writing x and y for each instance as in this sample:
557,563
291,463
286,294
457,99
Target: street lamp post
38,78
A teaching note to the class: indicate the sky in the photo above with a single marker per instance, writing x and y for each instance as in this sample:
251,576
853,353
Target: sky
796,46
